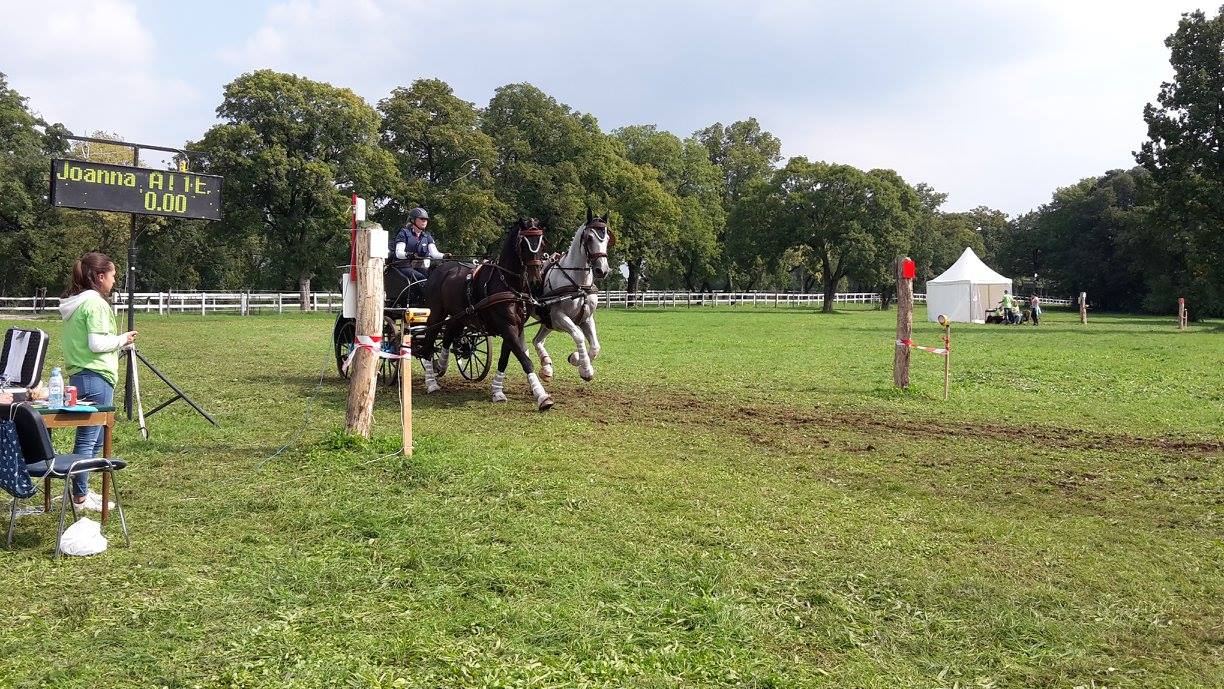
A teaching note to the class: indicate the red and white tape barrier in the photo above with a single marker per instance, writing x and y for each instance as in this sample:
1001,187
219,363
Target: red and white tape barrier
373,343
942,351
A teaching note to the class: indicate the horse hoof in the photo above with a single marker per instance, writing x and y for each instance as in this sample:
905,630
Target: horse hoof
546,403
431,389
588,377
499,397
572,358
546,373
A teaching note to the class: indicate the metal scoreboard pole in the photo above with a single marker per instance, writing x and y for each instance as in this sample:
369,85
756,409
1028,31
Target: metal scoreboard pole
131,301
104,198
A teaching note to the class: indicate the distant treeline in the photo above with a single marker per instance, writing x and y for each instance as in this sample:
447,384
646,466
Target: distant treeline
718,209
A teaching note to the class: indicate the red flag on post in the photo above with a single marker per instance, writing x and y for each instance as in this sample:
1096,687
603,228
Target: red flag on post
907,268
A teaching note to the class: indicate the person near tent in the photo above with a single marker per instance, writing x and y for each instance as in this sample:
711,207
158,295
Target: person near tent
1009,308
1035,309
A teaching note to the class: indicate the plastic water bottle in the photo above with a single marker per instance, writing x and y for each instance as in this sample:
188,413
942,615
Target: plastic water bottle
55,390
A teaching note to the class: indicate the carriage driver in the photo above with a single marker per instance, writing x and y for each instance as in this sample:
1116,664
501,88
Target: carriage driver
414,247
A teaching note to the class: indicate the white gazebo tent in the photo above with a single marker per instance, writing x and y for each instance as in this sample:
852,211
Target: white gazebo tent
964,291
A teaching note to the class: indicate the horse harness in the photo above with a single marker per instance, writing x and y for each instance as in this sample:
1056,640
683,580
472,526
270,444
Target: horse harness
575,290
528,237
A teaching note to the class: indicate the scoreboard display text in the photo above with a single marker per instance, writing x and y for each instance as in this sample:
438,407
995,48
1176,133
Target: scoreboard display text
126,189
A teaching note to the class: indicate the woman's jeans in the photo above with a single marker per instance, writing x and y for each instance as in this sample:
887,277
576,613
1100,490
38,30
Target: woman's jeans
93,387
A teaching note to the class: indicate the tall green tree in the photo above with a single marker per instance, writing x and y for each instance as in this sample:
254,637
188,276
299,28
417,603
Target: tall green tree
446,164
29,237
1185,155
743,151
292,151
940,237
553,162
1088,238
898,210
685,172
854,222
647,216
746,154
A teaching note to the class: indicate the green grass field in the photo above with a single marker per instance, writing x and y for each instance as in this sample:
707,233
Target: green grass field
740,499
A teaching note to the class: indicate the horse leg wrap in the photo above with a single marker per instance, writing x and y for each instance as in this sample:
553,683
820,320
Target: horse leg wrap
443,362
431,381
546,367
585,369
499,382
543,399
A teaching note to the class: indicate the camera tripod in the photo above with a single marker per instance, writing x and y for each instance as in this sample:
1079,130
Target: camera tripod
132,392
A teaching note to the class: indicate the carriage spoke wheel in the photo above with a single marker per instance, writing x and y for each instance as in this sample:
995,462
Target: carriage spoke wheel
343,336
388,369
472,356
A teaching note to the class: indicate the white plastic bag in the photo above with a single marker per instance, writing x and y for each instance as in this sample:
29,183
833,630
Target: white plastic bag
84,537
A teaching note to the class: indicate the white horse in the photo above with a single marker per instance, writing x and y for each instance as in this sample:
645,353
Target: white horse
569,296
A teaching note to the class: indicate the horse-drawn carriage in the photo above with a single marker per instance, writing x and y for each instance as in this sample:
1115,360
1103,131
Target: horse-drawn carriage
470,350
471,302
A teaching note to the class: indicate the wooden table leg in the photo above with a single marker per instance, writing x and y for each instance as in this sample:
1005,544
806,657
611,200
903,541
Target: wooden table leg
106,475
106,435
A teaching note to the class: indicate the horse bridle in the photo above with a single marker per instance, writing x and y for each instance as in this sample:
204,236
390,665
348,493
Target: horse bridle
525,237
600,232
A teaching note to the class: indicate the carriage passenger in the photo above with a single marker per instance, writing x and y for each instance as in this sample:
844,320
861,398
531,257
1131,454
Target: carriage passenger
413,247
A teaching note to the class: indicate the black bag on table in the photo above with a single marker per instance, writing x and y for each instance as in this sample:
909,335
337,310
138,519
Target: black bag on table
22,358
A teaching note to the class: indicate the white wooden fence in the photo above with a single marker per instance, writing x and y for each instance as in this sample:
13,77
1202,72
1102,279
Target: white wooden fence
203,303
250,303
773,299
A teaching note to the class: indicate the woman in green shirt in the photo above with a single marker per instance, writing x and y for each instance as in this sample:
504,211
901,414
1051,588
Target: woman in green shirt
91,348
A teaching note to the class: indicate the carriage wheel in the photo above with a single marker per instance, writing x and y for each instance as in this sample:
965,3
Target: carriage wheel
472,356
388,369
343,336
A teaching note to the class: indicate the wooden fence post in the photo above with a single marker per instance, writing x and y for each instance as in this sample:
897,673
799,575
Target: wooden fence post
1083,304
1181,313
363,372
905,327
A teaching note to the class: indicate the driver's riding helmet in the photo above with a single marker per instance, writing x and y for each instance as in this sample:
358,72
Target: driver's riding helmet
417,212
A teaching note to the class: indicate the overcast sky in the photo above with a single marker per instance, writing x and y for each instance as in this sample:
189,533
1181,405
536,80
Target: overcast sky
996,102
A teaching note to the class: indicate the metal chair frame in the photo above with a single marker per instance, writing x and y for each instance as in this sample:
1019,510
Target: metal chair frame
40,450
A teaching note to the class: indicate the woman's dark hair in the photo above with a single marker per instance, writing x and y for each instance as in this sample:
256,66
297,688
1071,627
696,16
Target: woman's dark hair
87,274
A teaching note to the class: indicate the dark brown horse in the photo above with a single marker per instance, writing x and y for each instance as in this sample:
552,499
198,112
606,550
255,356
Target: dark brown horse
493,298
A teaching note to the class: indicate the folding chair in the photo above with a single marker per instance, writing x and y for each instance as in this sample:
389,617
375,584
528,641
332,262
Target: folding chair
43,463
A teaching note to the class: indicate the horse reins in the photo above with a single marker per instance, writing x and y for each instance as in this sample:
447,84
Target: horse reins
524,239
575,290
